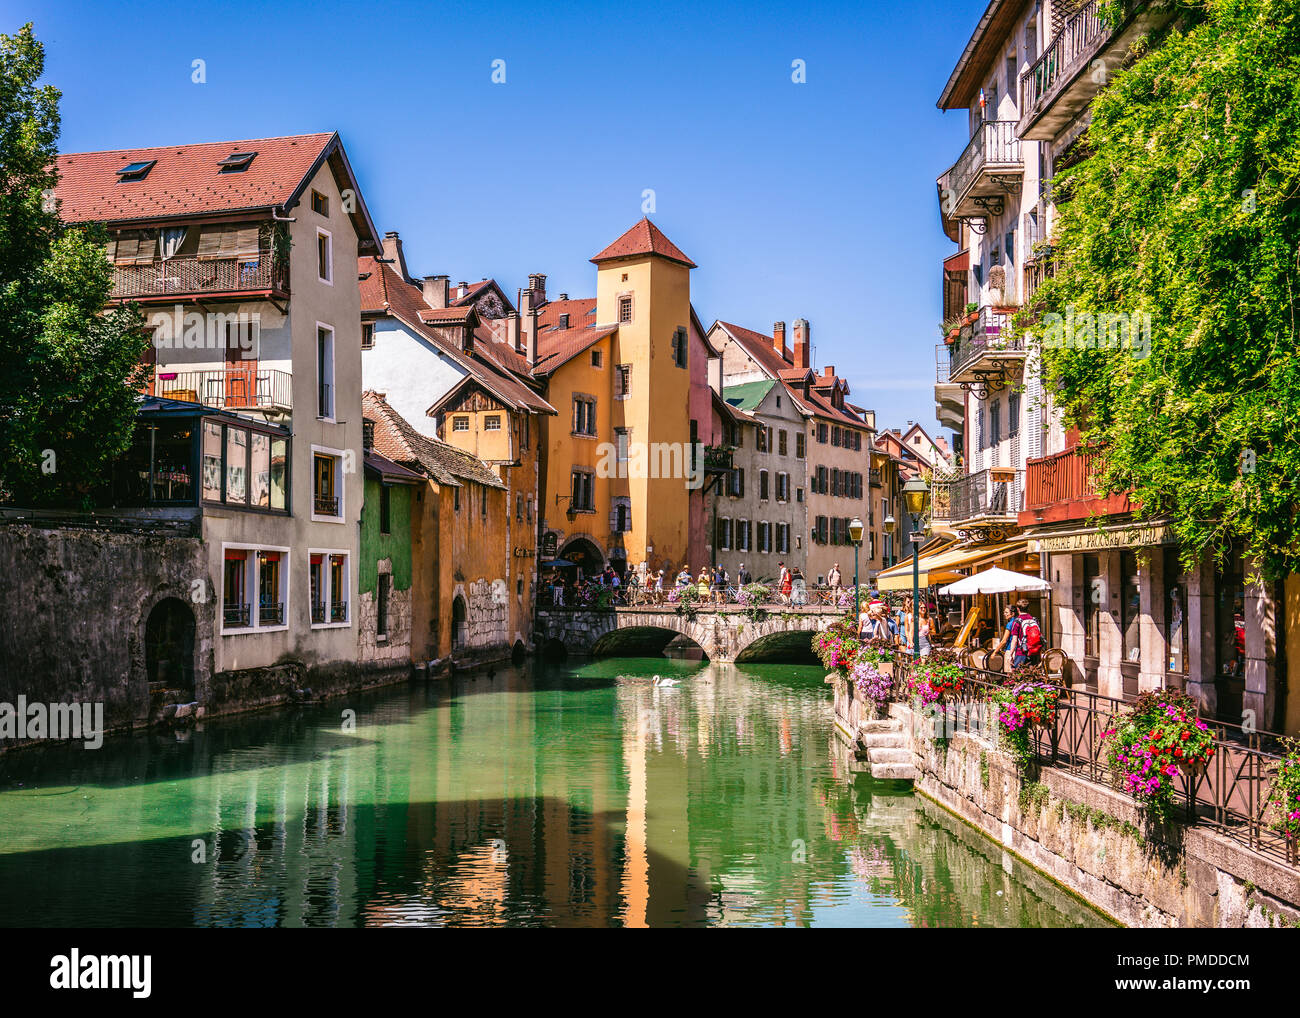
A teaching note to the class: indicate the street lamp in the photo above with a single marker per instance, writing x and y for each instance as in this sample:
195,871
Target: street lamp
890,526
855,535
916,496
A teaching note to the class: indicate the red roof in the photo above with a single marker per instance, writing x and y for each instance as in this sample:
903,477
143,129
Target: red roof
559,346
644,239
186,181
581,312
762,349
383,292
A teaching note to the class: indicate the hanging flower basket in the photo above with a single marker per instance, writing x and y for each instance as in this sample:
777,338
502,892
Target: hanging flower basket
1154,744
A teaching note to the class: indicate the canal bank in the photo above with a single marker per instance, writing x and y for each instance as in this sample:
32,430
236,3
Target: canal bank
1087,837
574,795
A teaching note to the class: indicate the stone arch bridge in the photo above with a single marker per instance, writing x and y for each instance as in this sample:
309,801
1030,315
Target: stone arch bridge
726,634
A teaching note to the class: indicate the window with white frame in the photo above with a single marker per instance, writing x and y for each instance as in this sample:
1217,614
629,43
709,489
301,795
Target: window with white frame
254,588
328,581
327,484
325,257
324,372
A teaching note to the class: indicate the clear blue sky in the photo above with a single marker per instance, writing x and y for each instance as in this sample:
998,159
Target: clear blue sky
811,200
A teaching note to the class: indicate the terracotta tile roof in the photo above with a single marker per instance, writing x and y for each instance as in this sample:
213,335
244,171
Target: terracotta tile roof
445,316
396,440
581,312
383,292
185,180
644,238
387,470
762,349
475,291
558,347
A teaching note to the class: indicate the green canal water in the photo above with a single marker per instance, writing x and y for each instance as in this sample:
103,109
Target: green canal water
575,795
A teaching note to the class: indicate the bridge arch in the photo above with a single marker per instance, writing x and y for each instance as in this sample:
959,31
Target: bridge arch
726,635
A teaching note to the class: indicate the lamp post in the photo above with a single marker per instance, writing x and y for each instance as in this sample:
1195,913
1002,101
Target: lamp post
916,496
855,535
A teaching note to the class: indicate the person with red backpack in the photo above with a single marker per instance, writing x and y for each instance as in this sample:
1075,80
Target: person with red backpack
1026,637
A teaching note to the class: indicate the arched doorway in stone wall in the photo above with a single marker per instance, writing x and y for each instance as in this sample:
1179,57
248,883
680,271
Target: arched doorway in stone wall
169,648
459,623
584,555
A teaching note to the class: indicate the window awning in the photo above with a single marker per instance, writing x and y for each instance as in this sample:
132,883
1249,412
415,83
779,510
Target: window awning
942,565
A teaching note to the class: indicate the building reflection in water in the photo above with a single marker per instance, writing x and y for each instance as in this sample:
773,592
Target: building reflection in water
579,796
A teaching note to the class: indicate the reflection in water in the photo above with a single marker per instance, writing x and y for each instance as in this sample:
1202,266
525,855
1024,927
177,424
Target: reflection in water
569,796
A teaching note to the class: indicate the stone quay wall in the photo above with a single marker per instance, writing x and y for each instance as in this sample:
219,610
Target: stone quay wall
1091,838
77,630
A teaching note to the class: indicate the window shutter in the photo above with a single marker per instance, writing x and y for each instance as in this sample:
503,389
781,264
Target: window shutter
246,241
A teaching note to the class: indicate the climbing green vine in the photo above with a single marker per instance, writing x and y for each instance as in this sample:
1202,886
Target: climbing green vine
1186,207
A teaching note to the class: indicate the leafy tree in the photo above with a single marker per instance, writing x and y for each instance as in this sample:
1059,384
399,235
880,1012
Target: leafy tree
69,369
1187,207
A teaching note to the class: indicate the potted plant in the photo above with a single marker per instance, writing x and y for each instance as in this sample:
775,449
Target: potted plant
936,677
873,685
837,646
1284,795
1155,742
1021,710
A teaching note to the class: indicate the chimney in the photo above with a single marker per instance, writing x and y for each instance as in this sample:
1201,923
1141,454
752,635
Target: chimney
512,332
528,323
564,296
435,291
393,253
778,338
537,284
801,358
462,288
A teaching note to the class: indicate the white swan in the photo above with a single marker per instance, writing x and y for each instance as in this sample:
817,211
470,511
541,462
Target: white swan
664,682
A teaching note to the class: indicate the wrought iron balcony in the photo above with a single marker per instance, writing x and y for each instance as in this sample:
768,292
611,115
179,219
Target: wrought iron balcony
1076,65
338,611
990,497
250,388
191,276
236,616
989,169
317,613
985,355
326,505
270,613
717,459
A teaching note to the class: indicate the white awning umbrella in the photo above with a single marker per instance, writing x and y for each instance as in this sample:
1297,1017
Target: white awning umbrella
995,581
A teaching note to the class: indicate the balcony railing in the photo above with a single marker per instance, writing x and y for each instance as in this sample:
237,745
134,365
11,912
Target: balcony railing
970,188
717,459
229,388
270,613
1078,38
1067,485
994,493
317,613
338,611
988,337
326,505
942,364
190,275
236,616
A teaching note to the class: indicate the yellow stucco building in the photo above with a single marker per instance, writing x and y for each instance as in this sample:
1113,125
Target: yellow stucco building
619,457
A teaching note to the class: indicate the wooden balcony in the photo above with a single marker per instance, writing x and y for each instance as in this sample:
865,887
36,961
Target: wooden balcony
1064,486
242,388
190,277
1076,65
989,169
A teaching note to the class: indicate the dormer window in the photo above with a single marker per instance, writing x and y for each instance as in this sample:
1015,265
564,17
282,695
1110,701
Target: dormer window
320,204
564,320
236,162
136,171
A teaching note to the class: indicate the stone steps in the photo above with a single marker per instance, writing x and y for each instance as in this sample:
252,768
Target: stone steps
886,750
